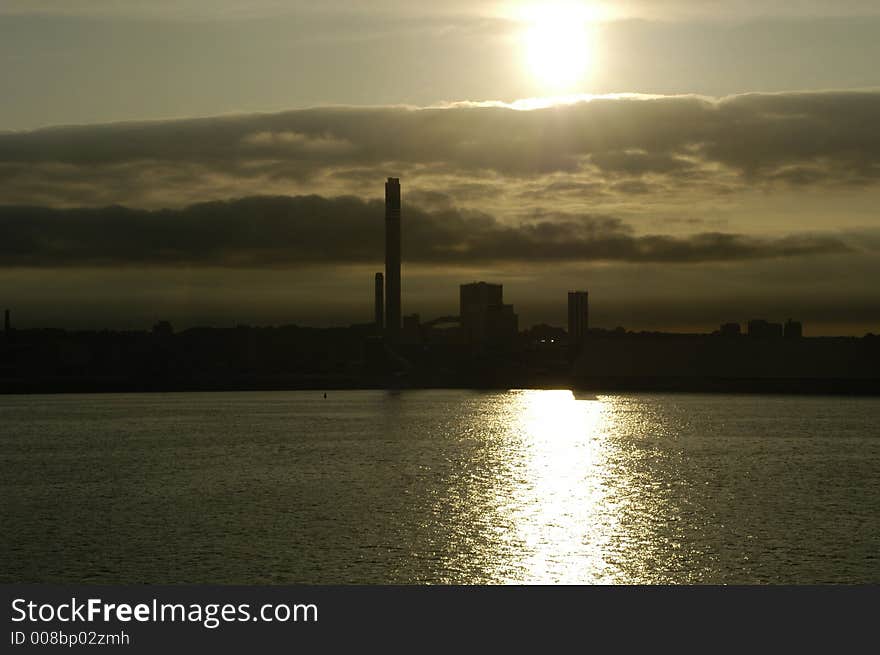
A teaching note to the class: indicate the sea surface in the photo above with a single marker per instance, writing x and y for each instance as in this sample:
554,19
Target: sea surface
418,487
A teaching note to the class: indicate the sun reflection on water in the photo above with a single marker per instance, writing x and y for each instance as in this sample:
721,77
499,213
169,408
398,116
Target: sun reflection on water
556,497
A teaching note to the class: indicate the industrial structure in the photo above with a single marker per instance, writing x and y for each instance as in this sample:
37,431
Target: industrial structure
379,311
392,258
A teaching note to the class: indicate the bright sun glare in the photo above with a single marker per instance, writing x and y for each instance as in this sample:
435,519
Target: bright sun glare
558,45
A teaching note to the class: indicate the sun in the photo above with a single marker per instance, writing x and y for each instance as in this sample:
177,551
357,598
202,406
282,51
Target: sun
558,45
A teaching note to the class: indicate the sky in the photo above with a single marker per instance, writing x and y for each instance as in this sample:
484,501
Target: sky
216,162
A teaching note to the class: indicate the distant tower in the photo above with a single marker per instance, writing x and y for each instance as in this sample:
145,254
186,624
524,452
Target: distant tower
380,301
578,316
392,257
7,323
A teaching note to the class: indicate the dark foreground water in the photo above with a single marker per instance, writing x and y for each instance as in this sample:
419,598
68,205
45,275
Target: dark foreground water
439,487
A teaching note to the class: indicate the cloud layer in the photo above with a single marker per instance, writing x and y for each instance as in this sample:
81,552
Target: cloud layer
294,231
613,147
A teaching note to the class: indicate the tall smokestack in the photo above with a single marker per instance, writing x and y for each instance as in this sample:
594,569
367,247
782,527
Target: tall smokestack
380,301
392,257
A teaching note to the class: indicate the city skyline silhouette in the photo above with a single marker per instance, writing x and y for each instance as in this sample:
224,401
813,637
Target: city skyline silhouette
482,345
122,243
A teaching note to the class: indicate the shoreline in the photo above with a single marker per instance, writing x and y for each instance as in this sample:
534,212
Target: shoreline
751,386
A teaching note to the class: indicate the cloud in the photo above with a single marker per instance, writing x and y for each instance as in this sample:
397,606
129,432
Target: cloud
296,144
786,140
290,232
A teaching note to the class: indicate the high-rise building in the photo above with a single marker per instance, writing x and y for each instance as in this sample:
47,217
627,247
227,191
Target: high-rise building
477,296
7,323
578,316
392,257
484,317
380,302
793,329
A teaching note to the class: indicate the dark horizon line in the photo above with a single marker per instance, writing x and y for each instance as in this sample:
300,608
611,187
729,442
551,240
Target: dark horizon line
617,330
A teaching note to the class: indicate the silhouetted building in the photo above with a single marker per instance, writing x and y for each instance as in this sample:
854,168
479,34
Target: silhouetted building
764,330
730,330
392,257
546,337
379,319
477,296
443,330
485,319
578,316
793,329
411,322
412,330
7,322
374,354
163,329
698,362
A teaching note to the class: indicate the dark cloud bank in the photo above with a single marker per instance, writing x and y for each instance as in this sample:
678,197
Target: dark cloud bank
294,231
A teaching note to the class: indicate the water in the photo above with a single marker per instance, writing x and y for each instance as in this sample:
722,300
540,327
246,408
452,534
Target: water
439,487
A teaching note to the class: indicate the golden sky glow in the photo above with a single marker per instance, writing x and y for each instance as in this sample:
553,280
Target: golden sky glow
558,43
